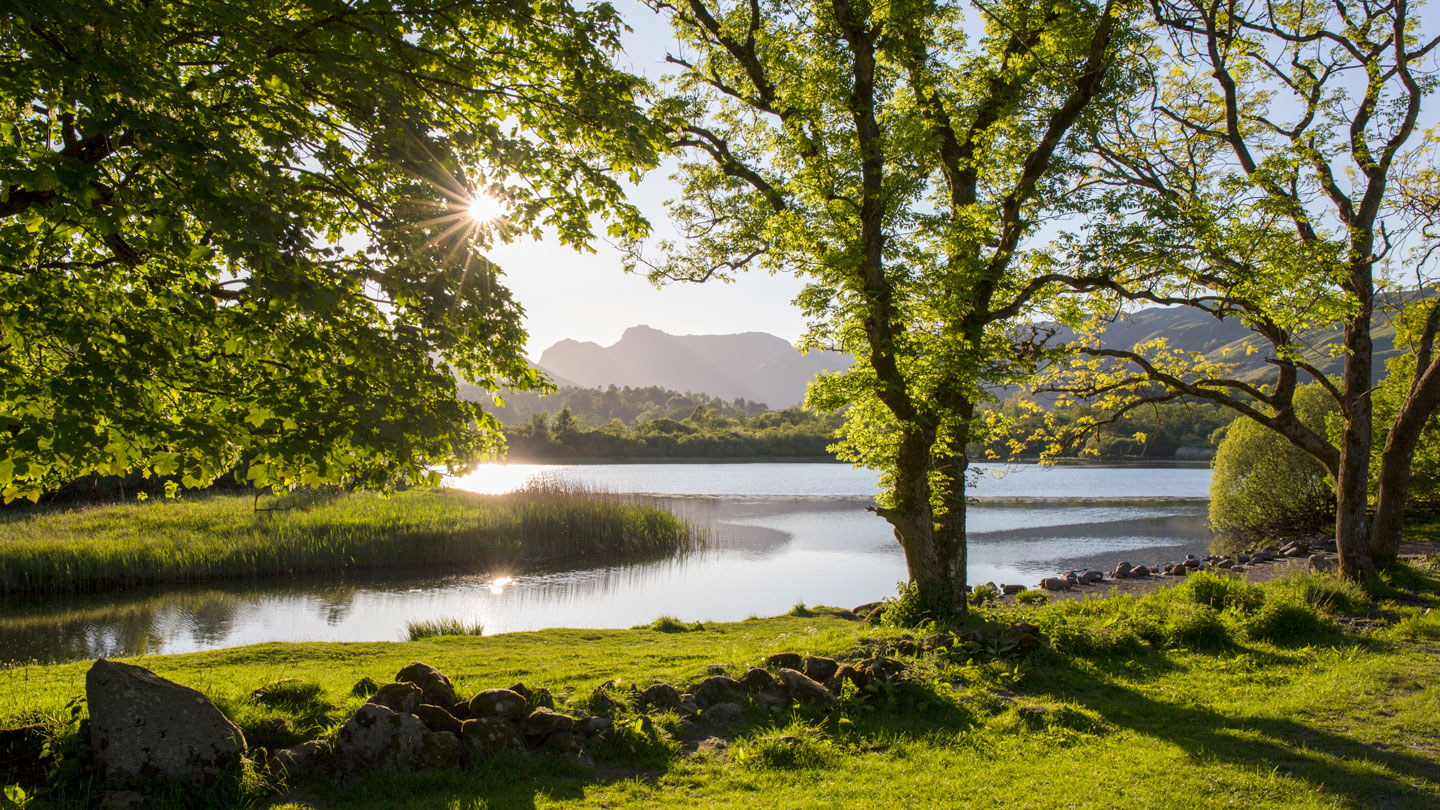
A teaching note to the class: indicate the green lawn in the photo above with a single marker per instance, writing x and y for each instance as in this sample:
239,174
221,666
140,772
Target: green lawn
1134,703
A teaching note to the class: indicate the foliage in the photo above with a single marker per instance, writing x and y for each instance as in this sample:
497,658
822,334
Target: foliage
1222,592
670,624
1032,598
1262,486
239,233
223,537
1159,431
1287,620
599,406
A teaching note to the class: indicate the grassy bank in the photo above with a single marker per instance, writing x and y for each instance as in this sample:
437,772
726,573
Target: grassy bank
217,537
1301,694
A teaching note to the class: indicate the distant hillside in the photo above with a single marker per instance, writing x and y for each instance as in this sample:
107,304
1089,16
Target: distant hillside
755,366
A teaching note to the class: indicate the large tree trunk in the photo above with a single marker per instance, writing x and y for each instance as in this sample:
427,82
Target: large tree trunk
1389,520
1352,480
934,545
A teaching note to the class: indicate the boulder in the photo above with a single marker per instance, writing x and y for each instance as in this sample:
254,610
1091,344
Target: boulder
378,740
497,703
718,689
437,718
543,722
660,696
725,714
534,698
594,727
399,697
766,688
1055,584
1319,563
1092,577
1122,570
848,673
142,725
299,761
1226,564
805,689
789,660
1011,590
882,668
821,669
1140,571
437,688
488,736
460,710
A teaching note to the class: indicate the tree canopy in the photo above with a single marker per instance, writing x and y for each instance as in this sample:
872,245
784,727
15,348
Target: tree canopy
240,232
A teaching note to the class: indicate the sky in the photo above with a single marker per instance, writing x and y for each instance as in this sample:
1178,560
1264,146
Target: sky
589,297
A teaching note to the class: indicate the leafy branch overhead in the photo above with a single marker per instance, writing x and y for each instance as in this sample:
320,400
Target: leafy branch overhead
238,231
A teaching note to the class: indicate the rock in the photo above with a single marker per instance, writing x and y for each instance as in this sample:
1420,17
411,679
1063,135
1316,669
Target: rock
399,697
1055,584
142,725
497,703
661,696
688,705
569,747
437,718
1011,590
534,698
1319,563
543,722
460,710
766,688
594,727
805,689
718,689
299,761
725,714
1024,637
378,740
1140,571
1092,577
121,800
821,669
437,688
1226,564
789,660
848,673
1191,563
866,609
484,738
1122,570
1179,571
1070,577
1296,552
882,668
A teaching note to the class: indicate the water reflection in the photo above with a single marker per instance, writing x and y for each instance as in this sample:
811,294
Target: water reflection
770,550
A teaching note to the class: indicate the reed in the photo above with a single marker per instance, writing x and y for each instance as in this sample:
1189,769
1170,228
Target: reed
216,537
434,628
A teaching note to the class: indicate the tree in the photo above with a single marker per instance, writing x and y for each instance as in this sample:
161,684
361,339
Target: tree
900,168
1254,179
244,232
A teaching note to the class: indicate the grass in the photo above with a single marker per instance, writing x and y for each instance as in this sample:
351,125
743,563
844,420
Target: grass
221,537
1133,702
435,628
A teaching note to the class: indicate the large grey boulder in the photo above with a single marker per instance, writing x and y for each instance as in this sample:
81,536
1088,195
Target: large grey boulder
376,739
437,688
143,726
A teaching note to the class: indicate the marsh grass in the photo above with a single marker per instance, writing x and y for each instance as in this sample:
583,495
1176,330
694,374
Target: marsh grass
216,537
432,628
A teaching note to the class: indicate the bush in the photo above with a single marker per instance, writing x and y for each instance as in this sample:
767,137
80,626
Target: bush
1265,487
670,624
1287,620
1196,626
1222,592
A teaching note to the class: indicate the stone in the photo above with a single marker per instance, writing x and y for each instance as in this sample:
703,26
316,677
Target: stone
142,725
805,689
437,718
866,609
1023,637
378,740
1140,571
460,710
299,761
543,722
790,660
1319,563
766,688
688,705
821,669
534,698
1179,571
1122,570
725,714
1092,577
660,696
1226,564
488,736
882,668
497,703
848,673
437,688
601,701
1011,590
594,727
1055,584
121,800
718,689
399,697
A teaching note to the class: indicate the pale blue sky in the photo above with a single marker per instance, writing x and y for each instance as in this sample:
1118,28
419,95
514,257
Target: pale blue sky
589,297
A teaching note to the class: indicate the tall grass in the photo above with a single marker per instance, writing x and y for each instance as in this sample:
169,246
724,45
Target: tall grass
434,628
218,537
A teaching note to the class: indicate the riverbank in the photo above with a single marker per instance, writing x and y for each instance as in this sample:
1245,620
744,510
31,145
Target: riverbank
1206,694
224,537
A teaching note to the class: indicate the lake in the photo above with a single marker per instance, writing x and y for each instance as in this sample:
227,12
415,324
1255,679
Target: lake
780,534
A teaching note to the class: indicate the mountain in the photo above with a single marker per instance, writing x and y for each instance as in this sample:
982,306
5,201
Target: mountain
754,365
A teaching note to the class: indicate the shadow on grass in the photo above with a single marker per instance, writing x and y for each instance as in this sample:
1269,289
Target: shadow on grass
1331,762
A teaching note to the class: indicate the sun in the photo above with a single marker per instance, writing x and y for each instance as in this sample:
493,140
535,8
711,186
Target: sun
484,209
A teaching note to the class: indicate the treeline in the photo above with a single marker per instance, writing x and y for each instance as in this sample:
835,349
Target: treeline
704,432
654,422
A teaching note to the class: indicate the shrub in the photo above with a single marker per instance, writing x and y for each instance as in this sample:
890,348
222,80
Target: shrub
1196,626
1263,486
670,624
1222,592
801,612
1285,619
984,595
